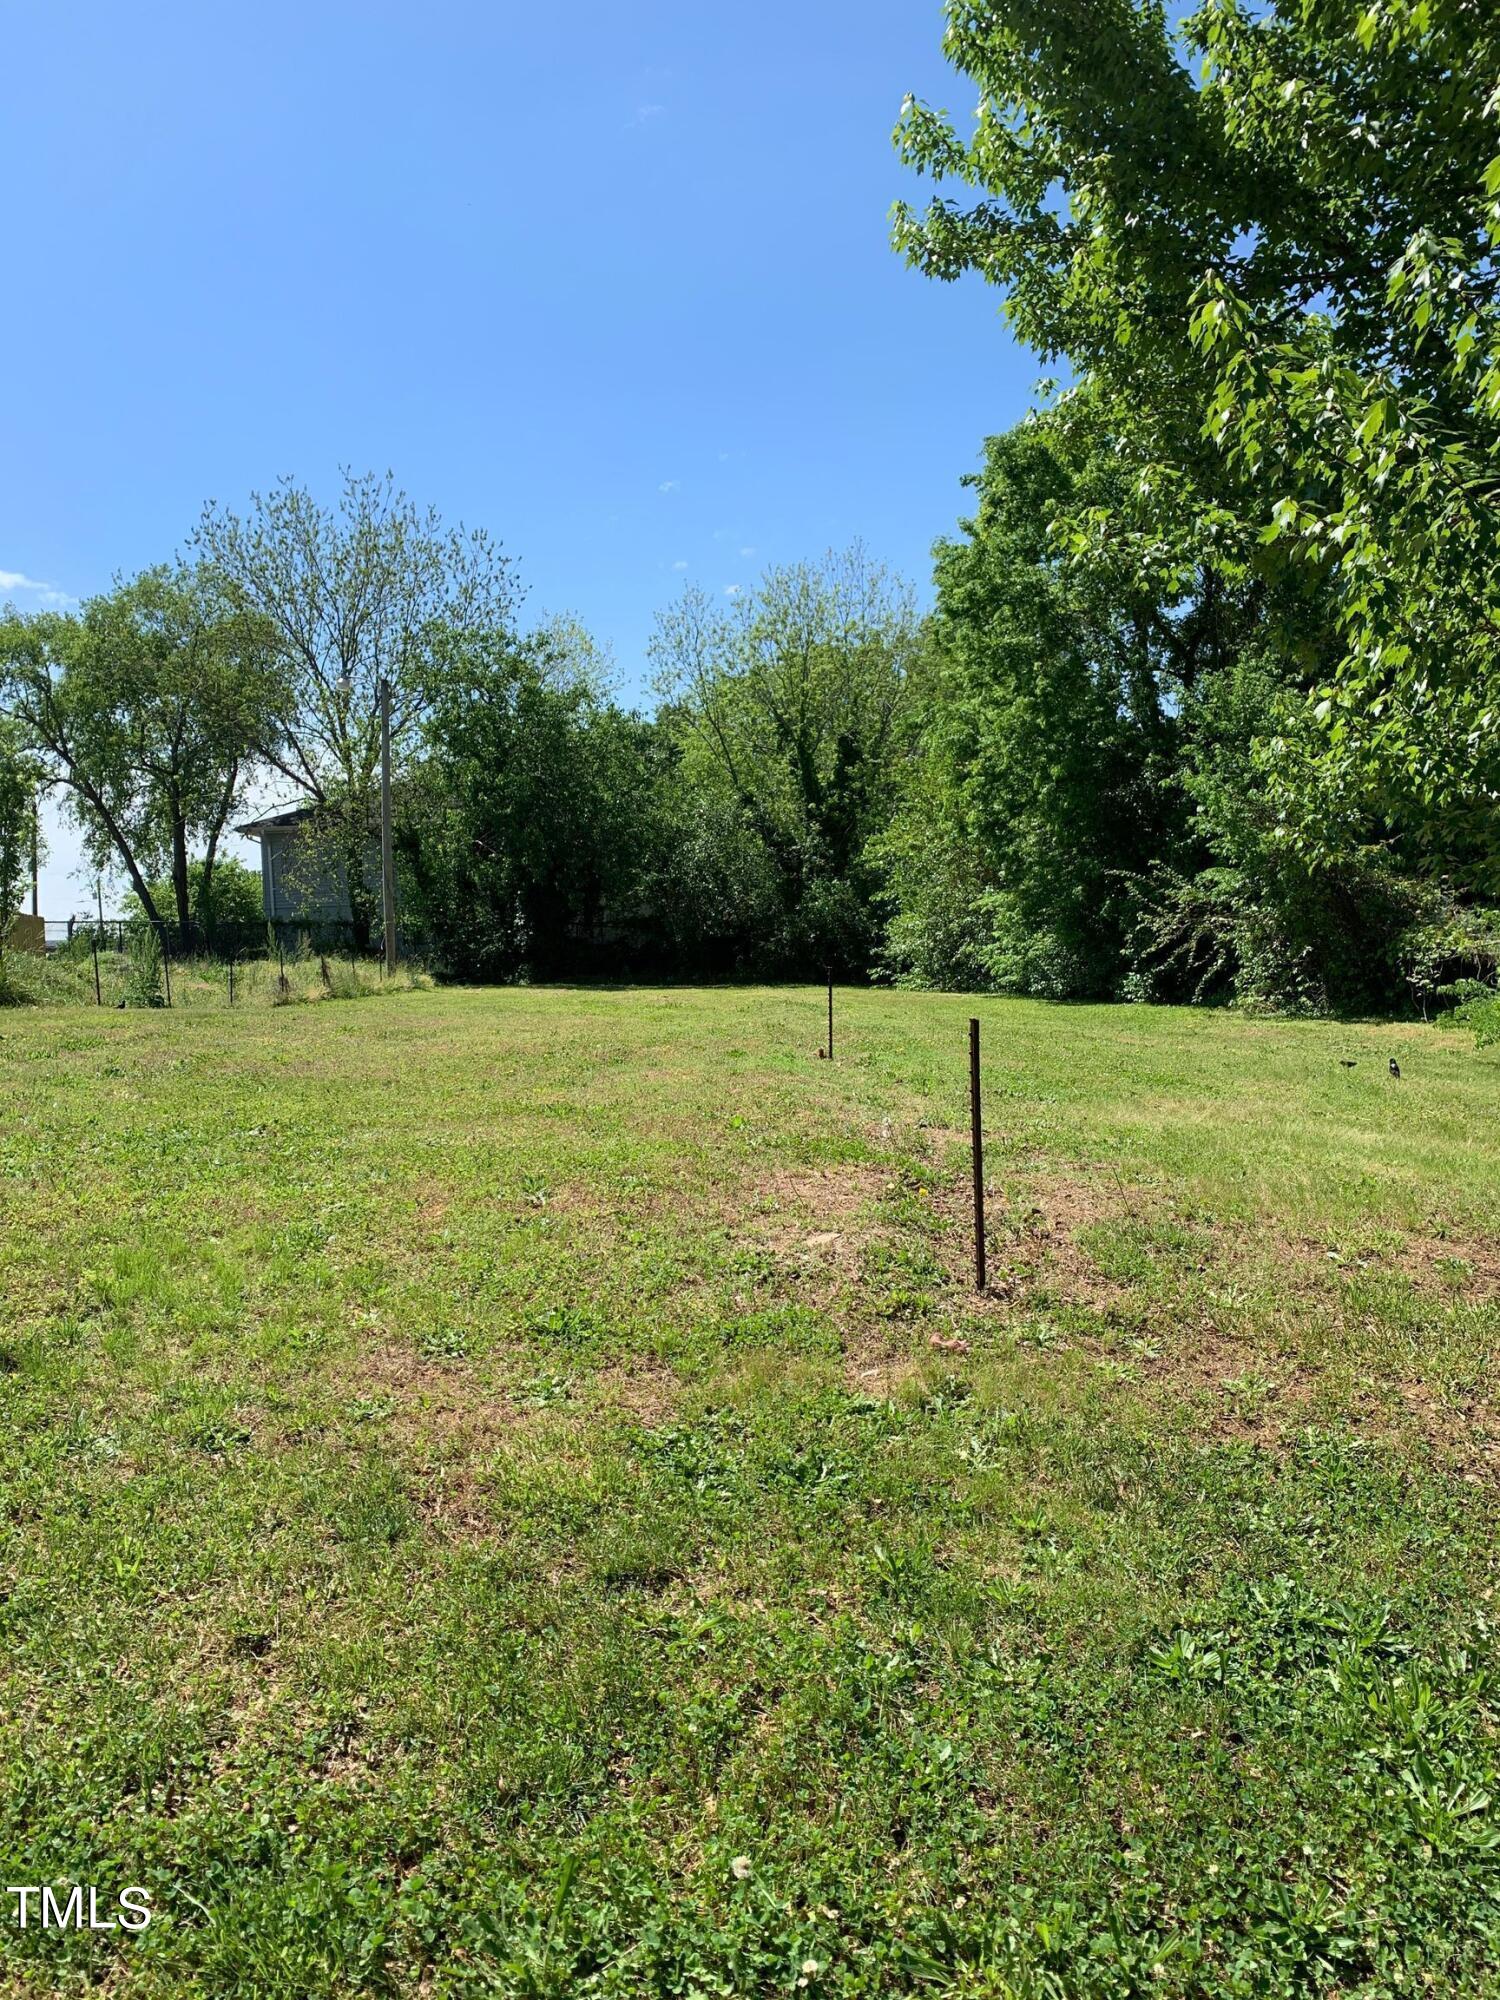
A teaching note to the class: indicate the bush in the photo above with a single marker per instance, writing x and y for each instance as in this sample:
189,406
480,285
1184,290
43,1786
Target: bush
143,978
1479,1009
234,900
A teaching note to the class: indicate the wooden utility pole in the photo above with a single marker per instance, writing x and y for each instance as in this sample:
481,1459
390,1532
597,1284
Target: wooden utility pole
387,846
36,849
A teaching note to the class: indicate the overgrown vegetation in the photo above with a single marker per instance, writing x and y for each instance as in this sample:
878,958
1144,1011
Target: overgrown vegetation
1252,627
513,1493
138,976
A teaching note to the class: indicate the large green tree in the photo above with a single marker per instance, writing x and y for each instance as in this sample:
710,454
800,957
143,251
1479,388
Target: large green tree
526,814
1084,808
145,710
1044,779
371,590
19,803
785,703
1266,234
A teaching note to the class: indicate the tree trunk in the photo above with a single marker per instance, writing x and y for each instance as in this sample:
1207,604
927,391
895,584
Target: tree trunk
211,851
120,843
180,891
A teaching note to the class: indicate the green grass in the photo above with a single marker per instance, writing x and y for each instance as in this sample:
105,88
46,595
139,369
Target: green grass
513,1493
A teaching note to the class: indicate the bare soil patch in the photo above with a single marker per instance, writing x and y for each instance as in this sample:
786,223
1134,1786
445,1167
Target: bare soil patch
1241,1385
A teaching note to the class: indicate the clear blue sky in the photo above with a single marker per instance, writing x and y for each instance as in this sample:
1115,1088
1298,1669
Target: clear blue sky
614,281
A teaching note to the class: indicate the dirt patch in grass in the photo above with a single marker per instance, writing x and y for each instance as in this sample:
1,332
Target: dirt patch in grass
820,1219
444,1425
1465,1267
434,1399
1239,1393
824,1197
641,1390
1135,1279
880,1365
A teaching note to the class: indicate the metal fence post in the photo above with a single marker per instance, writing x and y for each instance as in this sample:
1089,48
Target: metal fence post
976,1132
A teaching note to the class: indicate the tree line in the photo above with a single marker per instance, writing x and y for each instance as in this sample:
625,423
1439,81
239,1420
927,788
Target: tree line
1205,703
1219,696
541,827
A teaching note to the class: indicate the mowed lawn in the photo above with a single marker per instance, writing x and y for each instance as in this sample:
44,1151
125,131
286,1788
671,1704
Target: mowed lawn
513,1493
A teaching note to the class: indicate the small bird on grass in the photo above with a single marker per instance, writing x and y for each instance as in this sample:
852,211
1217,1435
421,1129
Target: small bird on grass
1395,1067
1346,1062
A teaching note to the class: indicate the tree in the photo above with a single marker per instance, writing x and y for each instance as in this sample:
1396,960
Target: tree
373,589
144,709
1083,809
526,821
1282,281
18,810
787,705
1048,731
225,899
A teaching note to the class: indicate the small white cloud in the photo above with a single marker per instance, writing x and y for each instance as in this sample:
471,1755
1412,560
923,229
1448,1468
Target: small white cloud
723,458
669,486
679,565
747,552
731,590
46,593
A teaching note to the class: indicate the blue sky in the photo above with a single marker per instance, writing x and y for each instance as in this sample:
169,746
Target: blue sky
613,281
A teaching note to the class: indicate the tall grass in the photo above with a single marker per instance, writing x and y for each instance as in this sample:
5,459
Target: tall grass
66,979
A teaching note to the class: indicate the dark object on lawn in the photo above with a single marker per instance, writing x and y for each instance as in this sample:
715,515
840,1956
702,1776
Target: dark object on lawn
827,1054
976,1140
327,975
1346,1062
1395,1067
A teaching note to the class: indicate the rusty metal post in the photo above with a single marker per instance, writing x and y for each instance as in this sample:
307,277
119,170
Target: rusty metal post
830,1013
98,989
976,1129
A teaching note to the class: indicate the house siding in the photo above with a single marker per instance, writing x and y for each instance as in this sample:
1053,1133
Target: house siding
299,885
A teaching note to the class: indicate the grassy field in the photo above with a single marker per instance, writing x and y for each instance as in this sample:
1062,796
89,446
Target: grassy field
512,1493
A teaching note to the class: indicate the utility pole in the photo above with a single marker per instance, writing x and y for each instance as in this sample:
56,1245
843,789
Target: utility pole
36,844
387,848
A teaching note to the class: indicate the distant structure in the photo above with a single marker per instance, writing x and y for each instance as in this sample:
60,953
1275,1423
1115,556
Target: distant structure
301,879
